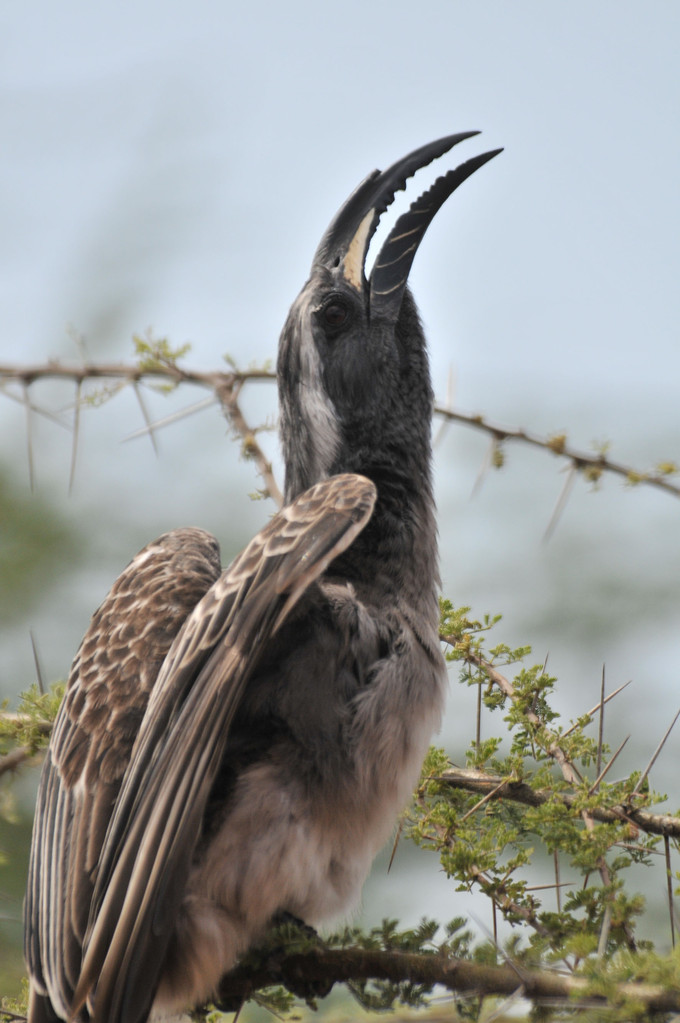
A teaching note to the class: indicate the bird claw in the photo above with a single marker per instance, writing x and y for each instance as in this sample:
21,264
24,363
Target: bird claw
284,918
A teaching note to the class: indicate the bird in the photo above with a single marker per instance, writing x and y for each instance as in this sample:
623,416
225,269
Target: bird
235,745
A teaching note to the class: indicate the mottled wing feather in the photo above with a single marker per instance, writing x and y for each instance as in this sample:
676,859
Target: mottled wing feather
154,830
107,692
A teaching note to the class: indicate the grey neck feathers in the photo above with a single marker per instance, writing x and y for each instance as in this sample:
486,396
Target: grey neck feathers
376,423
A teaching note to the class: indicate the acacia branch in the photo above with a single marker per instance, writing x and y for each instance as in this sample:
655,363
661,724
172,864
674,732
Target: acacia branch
129,373
552,748
494,787
225,386
228,396
13,760
11,726
319,969
591,466
222,383
489,786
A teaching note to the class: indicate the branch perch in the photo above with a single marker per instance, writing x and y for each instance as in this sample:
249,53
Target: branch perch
325,967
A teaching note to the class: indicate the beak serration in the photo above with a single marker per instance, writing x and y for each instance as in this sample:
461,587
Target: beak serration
375,194
393,264
346,241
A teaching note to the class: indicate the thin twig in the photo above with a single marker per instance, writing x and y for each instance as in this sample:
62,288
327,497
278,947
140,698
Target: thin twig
596,784
600,732
519,792
76,426
594,710
145,415
228,397
400,828
36,661
570,772
29,436
150,428
501,1011
604,930
485,465
478,730
450,389
480,803
669,885
548,887
20,400
655,754
499,897
561,502
591,465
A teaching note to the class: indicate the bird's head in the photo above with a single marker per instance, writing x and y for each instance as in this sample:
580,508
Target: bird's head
352,368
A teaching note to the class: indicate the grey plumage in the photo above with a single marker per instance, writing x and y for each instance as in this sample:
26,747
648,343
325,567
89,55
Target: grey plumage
237,744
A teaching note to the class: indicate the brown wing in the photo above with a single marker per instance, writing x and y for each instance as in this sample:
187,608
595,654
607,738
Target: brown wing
106,697
154,829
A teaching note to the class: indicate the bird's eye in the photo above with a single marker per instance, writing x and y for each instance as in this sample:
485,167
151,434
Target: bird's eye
335,314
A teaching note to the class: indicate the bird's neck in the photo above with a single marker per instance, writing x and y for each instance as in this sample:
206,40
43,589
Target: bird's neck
396,552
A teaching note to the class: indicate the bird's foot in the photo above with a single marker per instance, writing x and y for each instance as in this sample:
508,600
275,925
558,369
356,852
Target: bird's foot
284,918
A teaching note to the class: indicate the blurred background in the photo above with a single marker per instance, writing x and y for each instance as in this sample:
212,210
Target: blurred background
171,166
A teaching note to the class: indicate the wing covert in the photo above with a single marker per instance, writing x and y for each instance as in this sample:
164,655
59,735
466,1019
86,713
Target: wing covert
151,839
108,688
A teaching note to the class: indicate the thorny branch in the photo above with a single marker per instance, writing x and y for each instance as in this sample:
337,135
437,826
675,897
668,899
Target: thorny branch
488,786
304,971
499,897
228,396
314,972
17,757
591,466
227,385
554,750
492,786
13,760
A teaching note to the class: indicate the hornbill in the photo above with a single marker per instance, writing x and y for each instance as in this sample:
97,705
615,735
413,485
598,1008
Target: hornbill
236,745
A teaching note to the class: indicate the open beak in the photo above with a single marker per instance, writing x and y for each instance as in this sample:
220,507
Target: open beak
346,241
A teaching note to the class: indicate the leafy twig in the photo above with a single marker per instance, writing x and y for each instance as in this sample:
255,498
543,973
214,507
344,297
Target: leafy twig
326,967
491,786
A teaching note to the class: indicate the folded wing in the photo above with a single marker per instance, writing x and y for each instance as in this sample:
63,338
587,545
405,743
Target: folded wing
156,822
108,689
